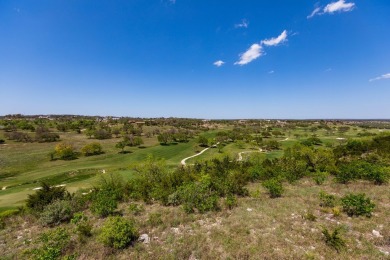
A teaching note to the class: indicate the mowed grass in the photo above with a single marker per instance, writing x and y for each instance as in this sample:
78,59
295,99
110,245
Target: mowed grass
23,165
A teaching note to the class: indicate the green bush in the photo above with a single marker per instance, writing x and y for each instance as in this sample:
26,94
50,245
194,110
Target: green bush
320,177
363,170
334,239
104,203
65,151
198,196
274,187
56,212
45,196
357,205
83,226
379,175
92,149
112,183
230,201
53,243
118,232
327,200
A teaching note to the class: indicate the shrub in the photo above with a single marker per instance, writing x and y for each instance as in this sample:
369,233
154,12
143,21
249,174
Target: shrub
198,196
83,226
102,134
362,170
155,219
327,200
53,244
92,149
104,203
65,151
7,214
320,177
112,183
136,209
334,239
2,141
231,201
45,196
310,216
336,211
274,187
378,175
118,232
56,212
357,205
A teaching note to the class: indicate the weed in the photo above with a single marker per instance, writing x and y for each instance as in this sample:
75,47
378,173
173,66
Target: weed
334,239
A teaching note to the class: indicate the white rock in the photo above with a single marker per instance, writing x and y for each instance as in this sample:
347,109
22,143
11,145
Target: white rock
144,238
249,209
4,188
175,230
376,233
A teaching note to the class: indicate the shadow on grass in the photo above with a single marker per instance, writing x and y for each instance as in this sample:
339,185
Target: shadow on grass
125,152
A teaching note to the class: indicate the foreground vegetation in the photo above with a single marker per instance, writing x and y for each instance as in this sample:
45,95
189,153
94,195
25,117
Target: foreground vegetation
265,189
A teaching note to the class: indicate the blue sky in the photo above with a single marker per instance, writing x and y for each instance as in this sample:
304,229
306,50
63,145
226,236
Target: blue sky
196,58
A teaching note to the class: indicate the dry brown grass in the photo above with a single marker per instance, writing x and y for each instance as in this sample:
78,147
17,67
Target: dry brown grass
258,228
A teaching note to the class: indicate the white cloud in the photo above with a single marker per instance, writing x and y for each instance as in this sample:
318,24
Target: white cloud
385,76
339,6
254,52
275,41
271,72
244,24
219,63
315,12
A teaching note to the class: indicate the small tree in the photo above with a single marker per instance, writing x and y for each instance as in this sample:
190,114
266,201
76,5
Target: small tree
92,149
45,196
203,141
164,138
121,145
65,151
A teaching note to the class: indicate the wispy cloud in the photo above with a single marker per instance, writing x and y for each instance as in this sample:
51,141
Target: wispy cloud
276,41
339,6
315,12
219,63
384,76
271,72
254,52
172,1
244,24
